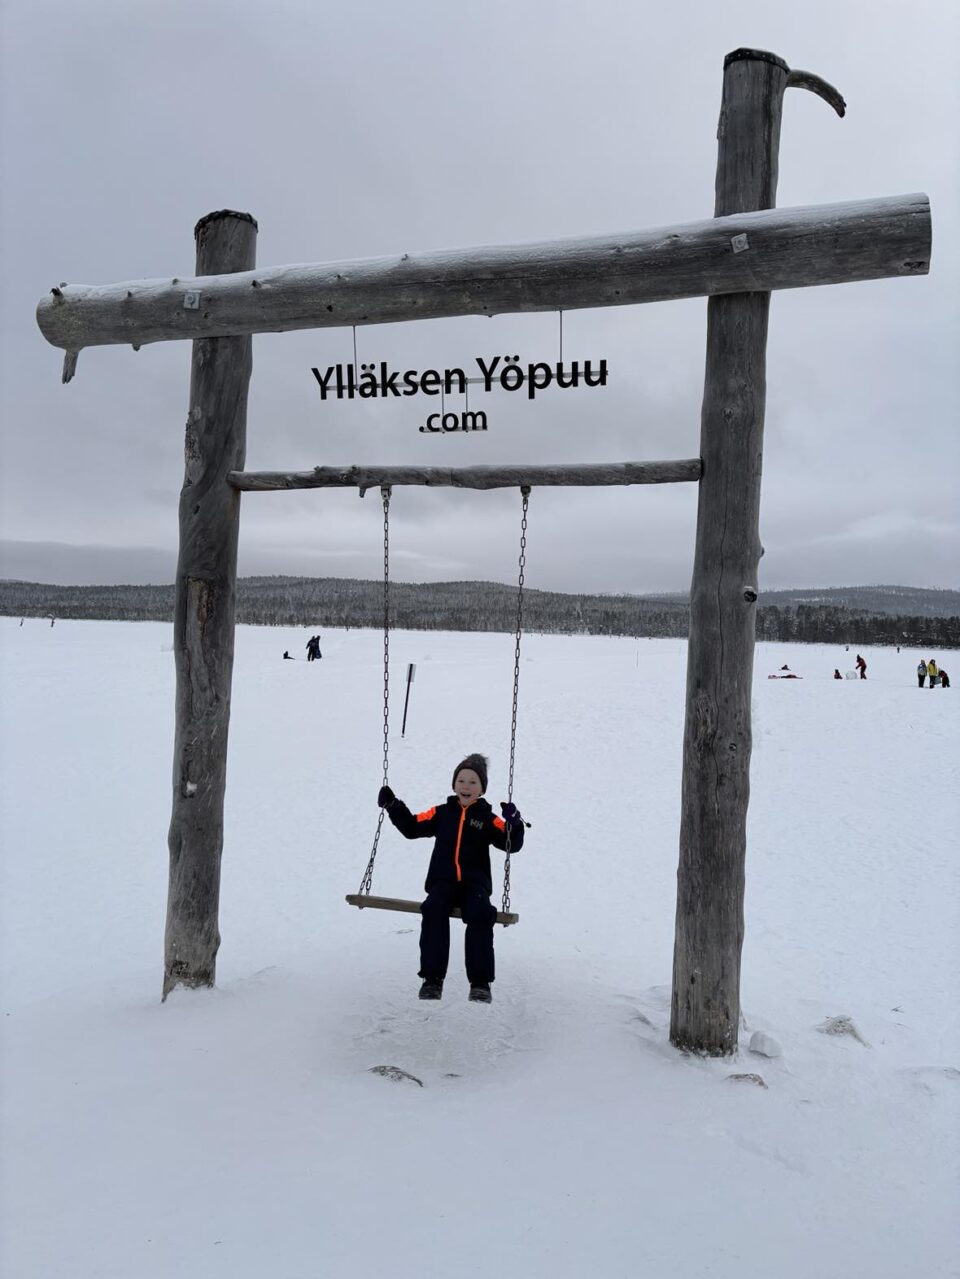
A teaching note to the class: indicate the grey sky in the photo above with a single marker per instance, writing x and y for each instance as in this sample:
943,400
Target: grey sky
358,130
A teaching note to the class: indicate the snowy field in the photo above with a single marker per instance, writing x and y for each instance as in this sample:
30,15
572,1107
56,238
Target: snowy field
242,1133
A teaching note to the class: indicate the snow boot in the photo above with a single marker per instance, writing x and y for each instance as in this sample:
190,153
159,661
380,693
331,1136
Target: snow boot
431,989
480,994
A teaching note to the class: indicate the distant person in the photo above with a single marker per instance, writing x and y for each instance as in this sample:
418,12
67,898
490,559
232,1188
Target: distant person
287,657
944,678
836,674
313,649
933,673
921,671
861,666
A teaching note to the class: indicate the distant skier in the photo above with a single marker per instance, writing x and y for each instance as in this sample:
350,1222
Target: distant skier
921,671
861,666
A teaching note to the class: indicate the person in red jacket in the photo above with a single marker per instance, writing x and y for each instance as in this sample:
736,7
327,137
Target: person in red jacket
861,666
463,828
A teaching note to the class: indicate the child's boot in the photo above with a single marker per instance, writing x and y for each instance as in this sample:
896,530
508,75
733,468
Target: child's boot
431,989
480,993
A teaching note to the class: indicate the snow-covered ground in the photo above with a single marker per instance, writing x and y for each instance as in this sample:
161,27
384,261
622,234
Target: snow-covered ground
241,1132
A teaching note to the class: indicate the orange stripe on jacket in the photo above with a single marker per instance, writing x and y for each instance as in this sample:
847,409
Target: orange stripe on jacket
426,814
456,851
500,823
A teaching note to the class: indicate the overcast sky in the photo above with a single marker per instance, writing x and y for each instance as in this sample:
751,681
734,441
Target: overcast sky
370,128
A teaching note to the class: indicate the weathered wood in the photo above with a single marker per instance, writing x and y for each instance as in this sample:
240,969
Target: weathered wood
468,477
783,249
717,742
204,619
367,902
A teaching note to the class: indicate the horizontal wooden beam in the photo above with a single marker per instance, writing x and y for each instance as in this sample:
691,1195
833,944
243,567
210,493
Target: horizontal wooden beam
367,902
468,477
743,253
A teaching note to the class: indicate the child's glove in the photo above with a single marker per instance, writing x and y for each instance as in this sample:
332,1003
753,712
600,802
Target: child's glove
386,797
511,815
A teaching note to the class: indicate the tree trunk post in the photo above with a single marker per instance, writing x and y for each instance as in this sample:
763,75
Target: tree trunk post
204,615
705,1012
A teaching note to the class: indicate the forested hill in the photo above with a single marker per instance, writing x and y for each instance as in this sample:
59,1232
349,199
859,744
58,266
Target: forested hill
851,615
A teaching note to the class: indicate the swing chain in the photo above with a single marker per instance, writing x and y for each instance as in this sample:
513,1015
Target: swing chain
385,495
525,491
366,883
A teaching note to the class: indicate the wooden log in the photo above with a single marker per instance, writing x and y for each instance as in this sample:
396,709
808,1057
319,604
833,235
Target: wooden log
204,619
705,1011
467,477
782,249
367,901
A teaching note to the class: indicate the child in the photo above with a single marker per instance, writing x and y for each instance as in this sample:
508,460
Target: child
464,827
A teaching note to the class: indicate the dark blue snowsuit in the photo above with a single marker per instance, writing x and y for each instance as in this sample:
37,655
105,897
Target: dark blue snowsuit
458,875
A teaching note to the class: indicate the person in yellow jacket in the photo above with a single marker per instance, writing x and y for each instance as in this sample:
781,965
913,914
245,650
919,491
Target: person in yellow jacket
933,673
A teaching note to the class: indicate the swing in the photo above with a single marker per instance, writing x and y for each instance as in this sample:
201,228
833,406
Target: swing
363,899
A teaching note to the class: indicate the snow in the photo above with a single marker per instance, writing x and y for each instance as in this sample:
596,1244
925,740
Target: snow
245,1131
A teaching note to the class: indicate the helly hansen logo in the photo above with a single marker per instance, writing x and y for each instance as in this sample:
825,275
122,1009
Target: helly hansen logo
475,824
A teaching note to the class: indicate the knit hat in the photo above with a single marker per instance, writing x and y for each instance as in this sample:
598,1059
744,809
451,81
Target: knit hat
479,765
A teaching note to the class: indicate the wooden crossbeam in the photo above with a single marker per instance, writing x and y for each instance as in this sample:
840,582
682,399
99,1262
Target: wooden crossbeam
367,902
468,477
740,253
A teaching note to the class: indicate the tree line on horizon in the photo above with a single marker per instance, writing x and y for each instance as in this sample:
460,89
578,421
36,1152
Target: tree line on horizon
345,603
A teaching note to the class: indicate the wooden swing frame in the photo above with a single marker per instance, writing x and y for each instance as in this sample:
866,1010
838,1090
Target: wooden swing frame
748,249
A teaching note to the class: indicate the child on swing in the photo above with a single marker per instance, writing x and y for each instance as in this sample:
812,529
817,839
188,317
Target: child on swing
463,827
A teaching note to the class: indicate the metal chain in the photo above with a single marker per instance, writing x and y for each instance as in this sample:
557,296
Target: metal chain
525,491
367,881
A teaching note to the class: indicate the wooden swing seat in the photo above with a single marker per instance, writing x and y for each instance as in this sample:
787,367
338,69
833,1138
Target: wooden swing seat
367,902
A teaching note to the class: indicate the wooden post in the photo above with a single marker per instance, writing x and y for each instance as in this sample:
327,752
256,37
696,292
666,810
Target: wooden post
705,1012
204,616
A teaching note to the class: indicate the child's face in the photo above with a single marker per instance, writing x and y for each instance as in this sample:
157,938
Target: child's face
467,787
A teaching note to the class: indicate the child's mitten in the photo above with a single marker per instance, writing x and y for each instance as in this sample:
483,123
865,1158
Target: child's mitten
511,814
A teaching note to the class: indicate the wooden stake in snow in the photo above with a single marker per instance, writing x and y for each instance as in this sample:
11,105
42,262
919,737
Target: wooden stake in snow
203,627
411,672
